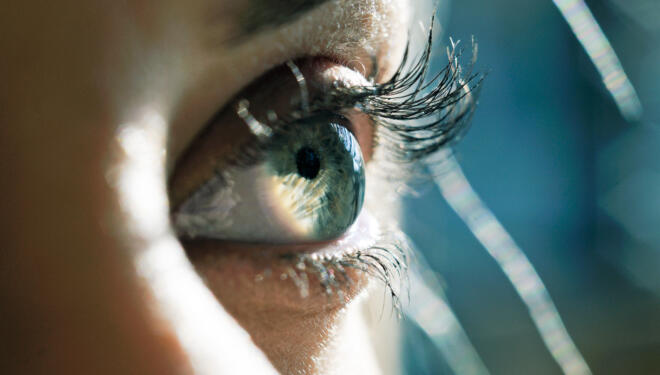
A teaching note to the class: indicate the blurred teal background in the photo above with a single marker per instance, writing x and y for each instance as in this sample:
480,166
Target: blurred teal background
576,186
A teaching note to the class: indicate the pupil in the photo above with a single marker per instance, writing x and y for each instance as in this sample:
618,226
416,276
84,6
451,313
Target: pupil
308,163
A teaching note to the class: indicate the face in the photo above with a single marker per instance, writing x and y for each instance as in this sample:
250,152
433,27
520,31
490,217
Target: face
211,151
273,222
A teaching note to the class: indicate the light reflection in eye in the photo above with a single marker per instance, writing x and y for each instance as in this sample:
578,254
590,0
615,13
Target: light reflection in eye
308,185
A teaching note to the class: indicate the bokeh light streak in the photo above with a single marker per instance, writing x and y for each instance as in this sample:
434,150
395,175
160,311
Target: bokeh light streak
456,189
600,51
185,305
430,311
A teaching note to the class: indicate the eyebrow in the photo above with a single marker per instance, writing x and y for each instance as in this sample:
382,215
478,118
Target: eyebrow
265,14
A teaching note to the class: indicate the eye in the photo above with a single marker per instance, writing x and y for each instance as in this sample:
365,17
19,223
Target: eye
304,182
300,177
307,185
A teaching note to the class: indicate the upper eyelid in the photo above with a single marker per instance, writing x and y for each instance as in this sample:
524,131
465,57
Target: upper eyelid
444,106
235,65
392,103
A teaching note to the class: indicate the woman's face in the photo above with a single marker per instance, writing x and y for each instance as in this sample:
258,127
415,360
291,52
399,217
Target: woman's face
108,107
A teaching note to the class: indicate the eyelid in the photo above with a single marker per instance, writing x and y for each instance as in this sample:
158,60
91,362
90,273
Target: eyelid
416,115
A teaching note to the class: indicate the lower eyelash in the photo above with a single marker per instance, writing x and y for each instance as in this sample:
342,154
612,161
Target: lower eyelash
386,261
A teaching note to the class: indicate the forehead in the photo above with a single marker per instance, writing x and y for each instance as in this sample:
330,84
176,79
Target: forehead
240,20
257,15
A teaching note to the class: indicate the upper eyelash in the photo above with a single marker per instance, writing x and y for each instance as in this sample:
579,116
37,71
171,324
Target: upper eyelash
399,106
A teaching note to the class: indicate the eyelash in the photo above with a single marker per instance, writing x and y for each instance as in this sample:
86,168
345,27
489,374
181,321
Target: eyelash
387,261
398,108
398,105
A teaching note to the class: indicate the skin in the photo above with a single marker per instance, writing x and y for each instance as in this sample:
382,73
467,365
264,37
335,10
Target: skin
83,289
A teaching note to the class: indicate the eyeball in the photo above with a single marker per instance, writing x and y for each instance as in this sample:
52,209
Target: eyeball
308,185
